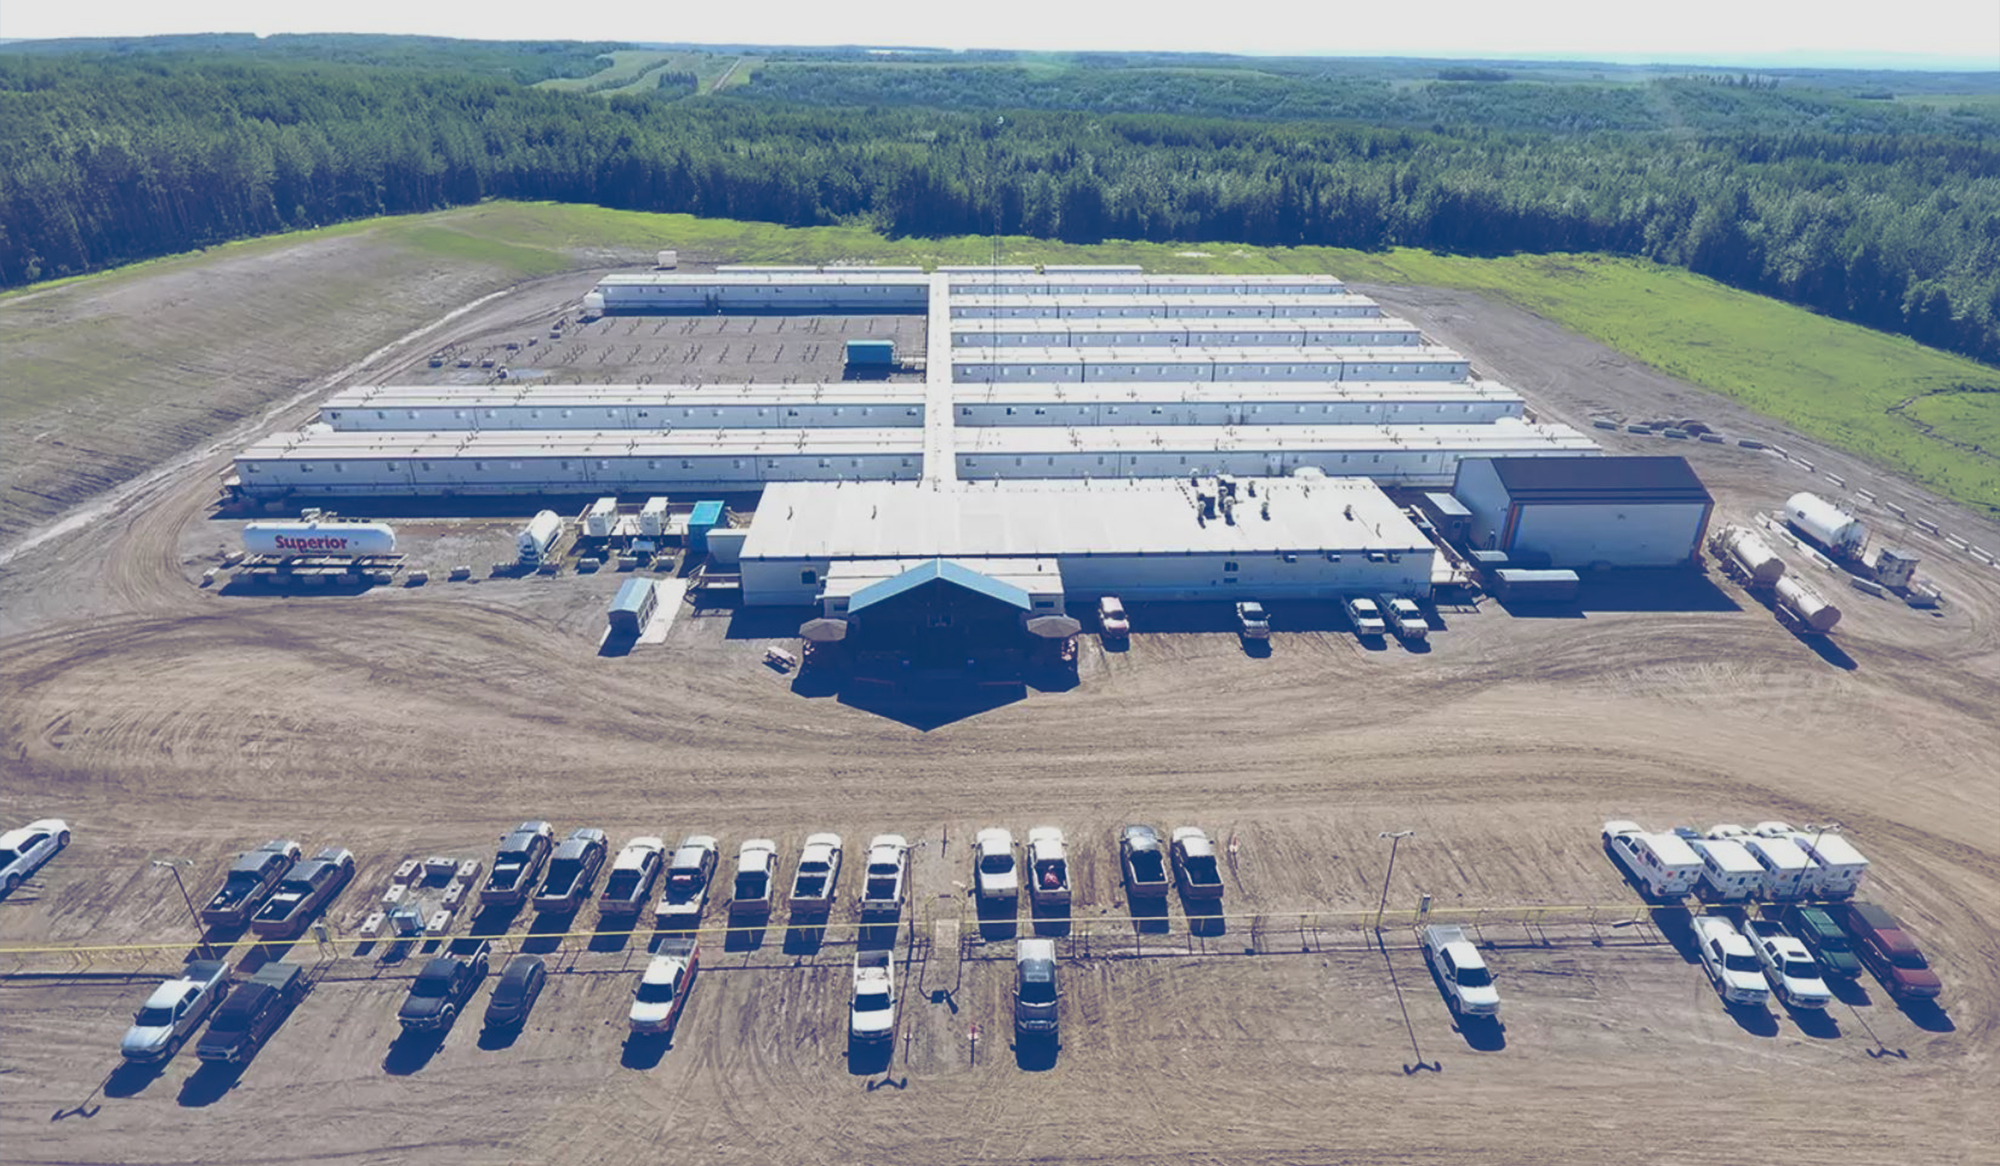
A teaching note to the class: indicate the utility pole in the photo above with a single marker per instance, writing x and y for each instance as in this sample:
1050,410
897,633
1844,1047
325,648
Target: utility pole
1395,839
174,866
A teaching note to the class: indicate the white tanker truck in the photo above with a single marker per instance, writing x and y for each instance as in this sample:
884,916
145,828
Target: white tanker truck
1747,556
1801,606
292,539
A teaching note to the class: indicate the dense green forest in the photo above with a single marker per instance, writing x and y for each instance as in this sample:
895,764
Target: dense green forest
1882,212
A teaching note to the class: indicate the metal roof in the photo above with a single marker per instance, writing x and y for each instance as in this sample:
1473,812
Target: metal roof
1056,301
1600,479
503,444
515,395
1504,434
1283,325
836,277
932,571
817,521
1198,354
1286,392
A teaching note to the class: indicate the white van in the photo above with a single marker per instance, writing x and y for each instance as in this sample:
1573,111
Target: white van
1838,868
1728,873
1786,867
1665,867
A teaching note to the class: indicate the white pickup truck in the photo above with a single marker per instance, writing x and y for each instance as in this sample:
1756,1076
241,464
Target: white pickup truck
872,1016
1366,616
1788,966
1731,962
1048,868
1468,985
1405,618
883,883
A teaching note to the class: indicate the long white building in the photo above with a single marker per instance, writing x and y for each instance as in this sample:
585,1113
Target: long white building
1081,283
1380,332
334,463
1412,455
840,291
1162,307
870,405
1473,402
1426,362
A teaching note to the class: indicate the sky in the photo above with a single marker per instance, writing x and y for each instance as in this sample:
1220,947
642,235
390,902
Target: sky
1961,34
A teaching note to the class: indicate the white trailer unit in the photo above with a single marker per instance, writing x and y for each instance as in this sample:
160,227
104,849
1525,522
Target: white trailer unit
1231,403
1163,307
1838,867
1827,524
1786,867
601,519
1728,873
1665,866
653,518
533,543
1131,365
1382,332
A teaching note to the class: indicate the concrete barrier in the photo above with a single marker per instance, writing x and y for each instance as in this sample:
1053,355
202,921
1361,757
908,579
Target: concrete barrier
1750,443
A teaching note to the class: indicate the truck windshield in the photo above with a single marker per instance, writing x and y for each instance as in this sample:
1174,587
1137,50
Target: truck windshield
429,986
1038,991
1800,970
621,884
154,1017
1476,977
1909,959
871,1002
656,993
562,874
1741,963
9,857
230,1020
997,863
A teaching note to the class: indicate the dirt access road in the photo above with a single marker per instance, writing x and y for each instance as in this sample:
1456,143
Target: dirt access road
161,719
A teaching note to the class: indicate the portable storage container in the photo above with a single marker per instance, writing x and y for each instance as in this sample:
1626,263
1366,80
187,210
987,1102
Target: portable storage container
633,607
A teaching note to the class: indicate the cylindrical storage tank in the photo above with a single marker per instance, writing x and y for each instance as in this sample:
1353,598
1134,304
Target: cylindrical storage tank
1833,527
593,303
1752,554
1807,606
319,538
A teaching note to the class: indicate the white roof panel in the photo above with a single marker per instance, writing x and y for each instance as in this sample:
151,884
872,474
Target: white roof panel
877,520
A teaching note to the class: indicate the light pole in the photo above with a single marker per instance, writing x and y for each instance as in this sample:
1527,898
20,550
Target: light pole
1820,832
1395,839
173,866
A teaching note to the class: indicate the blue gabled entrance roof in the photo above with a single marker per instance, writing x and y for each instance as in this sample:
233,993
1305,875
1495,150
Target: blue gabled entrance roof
933,570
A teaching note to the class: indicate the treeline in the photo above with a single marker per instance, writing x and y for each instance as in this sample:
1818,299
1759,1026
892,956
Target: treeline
104,161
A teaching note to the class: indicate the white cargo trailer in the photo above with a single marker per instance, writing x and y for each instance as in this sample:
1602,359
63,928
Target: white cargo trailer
653,518
601,519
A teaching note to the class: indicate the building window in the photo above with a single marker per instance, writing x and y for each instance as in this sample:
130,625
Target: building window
424,466
808,577
479,467
305,467
392,467
1045,603
1229,565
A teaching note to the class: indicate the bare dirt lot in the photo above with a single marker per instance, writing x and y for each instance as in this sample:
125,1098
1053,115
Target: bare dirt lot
162,719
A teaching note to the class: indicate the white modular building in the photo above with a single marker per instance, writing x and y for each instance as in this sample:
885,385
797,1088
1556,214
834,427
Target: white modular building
439,408
1473,402
327,462
1162,307
1380,332
1273,539
1424,362
1582,512
1092,284
1409,455
842,291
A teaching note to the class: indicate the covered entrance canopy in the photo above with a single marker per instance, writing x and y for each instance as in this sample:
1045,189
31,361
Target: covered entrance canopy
942,612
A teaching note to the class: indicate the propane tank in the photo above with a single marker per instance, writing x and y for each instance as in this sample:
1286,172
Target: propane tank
1751,553
319,538
1806,605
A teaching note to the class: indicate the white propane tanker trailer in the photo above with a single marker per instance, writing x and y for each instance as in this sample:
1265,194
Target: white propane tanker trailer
291,539
541,534
1747,555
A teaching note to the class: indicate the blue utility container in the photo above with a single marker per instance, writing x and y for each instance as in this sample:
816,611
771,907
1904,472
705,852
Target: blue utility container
705,517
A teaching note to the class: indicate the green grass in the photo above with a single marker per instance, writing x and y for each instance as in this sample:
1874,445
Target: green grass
1866,392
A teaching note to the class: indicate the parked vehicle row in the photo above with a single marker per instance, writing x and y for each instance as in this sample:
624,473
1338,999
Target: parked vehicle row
1373,618
1733,864
1790,954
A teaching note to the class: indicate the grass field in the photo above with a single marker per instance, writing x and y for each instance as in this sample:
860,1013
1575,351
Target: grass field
1927,414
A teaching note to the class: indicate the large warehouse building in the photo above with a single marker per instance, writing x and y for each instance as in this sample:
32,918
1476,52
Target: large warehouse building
1583,512
1305,537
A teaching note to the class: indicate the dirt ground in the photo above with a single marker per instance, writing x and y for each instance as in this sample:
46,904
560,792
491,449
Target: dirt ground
163,719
